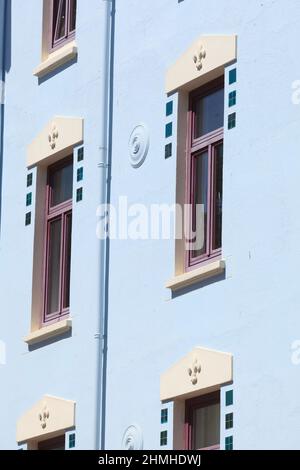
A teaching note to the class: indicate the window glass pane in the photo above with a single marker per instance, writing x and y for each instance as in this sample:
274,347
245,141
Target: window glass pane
62,184
59,19
73,5
209,113
66,302
206,427
54,266
201,208
218,197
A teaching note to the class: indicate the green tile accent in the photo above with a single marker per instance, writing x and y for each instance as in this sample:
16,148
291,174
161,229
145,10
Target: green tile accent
164,438
168,151
79,194
229,443
80,154
169,129
164,416
232,76
28,218
72,441
229,421
29,180
80,174
231,121
232,99
28,199
169,108
229,398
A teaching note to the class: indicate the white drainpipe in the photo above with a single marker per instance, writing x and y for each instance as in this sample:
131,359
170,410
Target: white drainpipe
107,43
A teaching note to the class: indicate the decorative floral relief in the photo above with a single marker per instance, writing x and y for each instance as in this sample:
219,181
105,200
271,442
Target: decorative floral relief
53,136
194,371
199,56
44,416
138,145
132,438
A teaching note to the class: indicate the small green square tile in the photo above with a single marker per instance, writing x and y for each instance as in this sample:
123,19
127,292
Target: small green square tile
229,398
168,151
28,199
169,108
231,121
80,174
29,180
164,438
79,194
164,416
28,218
229,421
80,154
72,441
229,443
169,130
232,76
232,99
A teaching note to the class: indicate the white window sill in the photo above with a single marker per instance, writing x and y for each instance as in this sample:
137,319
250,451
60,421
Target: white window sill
56,59
47,332
197,275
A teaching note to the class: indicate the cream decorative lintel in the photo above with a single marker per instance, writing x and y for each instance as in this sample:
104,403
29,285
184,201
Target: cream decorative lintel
56,59
198,372
203,61
196,275
50,415
59,136
48,332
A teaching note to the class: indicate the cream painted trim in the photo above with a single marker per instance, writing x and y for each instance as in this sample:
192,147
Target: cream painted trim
197,275
48,417
47,332
199,372
56,59
206,57
57,139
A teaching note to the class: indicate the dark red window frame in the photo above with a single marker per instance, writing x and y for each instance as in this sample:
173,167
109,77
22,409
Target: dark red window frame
61,212
195,147
61,8
190,407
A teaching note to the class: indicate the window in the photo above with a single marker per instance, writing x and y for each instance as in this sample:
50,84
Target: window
57,443
63,22
58,241
202,422
205,173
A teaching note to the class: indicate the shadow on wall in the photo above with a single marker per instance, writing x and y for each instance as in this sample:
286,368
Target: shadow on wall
7,57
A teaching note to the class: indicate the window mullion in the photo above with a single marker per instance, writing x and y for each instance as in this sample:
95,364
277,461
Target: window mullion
62,255
209,200
68,17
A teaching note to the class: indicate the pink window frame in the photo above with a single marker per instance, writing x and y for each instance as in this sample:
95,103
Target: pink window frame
192,405
69,35
59,212
196,146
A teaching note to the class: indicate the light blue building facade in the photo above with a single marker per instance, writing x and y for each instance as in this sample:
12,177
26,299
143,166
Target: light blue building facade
155,349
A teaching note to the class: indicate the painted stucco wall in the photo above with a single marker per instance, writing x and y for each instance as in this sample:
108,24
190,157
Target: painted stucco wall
254,312
65,368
